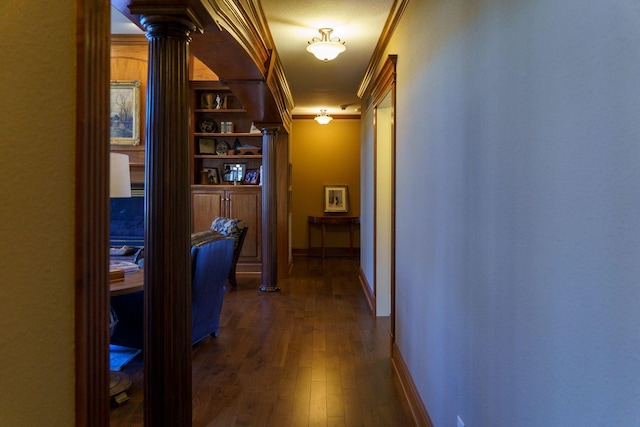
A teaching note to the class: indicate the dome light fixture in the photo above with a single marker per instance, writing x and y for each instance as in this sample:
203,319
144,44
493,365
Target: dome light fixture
323,118
326,48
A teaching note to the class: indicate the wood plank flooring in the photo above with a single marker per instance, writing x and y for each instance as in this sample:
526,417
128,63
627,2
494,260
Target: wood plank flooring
310,355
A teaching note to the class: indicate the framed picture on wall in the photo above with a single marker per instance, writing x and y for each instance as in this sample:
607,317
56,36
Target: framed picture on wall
124,111
336,198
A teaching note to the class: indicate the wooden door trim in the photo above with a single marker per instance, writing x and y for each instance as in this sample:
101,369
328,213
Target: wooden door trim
92,213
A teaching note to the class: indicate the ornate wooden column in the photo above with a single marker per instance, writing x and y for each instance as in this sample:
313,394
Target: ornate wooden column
269,211
167,343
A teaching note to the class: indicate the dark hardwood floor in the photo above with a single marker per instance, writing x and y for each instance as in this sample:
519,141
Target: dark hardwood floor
310,355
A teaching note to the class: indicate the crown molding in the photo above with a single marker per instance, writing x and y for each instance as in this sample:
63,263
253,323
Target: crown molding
393,20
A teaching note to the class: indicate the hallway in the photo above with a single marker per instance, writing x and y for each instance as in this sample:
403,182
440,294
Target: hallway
310,355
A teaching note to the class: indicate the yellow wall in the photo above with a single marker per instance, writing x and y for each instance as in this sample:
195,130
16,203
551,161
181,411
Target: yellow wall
37,139
323,155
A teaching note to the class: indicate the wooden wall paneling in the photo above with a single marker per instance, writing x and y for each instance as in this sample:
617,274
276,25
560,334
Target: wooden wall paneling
198,71
130,61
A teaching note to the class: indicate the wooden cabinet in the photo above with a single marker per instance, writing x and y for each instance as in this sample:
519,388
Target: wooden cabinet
242,202
223,155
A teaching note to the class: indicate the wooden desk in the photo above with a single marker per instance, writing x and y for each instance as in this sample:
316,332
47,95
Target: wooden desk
119,382
133,282
351,221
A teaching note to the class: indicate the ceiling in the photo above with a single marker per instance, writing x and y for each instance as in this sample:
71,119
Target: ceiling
315,84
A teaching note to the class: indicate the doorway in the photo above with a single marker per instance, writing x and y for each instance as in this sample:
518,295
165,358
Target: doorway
383,99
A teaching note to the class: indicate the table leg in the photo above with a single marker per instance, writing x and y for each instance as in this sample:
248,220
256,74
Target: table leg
322,241
351,240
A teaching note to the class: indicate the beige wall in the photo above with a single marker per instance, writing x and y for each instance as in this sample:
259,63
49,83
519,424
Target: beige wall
323,155
517,206
37,137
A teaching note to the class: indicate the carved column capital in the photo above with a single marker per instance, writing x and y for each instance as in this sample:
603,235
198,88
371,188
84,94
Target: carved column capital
269,130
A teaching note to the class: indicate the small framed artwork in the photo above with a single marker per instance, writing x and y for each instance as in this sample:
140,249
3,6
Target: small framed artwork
233,172
124,123
212,175
336,198
252,176
207,146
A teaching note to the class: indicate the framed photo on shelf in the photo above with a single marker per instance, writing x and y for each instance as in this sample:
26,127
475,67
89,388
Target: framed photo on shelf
252,176
336,198
124,111
233,172
213,176
207,146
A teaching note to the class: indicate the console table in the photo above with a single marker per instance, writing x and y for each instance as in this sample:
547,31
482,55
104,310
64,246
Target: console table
325,220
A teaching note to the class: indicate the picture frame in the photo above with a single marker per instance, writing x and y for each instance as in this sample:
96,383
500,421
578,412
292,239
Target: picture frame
336,198
124,112
213,175
252,177
233,172
206,146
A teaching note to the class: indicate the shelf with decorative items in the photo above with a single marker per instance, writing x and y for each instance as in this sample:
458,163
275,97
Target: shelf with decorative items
226,147
226,164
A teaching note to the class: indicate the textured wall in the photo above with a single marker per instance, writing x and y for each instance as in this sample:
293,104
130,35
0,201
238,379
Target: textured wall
37,138
517,288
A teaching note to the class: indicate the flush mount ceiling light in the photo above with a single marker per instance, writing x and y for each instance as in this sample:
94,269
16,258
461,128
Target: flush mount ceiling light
323,118
326,48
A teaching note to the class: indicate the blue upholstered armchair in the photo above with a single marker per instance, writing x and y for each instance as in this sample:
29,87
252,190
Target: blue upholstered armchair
211,256
237,229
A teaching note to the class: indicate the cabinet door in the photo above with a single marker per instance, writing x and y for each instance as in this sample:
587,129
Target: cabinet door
205,207
247,206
